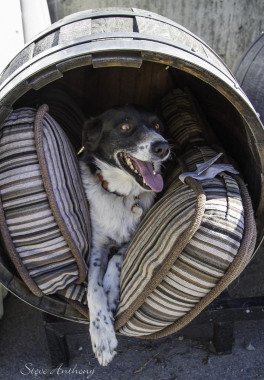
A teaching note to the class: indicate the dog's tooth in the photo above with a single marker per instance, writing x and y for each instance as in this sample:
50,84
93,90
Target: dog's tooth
154,172
136,171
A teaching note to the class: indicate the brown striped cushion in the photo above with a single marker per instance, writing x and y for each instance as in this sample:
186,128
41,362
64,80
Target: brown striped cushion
195,240
62,107
44,215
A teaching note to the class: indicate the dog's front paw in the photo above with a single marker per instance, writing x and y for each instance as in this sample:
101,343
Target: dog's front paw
103,338
112,288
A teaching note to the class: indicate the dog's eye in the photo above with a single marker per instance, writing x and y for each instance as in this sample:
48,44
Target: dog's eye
157,126
125,127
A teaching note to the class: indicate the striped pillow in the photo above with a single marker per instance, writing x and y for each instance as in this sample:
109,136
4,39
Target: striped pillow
44,218
195,240
62,107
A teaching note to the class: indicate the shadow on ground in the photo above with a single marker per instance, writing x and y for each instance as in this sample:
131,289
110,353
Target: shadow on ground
24,353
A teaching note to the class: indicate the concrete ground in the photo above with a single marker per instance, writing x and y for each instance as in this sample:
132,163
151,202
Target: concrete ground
24,353
187,355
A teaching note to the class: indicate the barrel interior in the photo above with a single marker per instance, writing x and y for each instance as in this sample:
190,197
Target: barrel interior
97,89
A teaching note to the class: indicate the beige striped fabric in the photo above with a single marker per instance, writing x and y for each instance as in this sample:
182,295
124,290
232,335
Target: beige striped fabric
185,123
193,242
44,215
181,256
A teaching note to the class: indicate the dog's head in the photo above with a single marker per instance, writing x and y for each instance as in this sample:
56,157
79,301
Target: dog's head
129,138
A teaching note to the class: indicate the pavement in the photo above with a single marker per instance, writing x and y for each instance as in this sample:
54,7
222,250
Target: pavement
187,355
184,356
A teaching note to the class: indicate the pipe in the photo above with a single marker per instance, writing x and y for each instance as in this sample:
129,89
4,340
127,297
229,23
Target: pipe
35,17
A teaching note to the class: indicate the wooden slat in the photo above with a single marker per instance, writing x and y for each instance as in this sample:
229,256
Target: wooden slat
73,63
152,27
112,25
124,59
75,30
118,85
162,30
44,78
22,57
46,42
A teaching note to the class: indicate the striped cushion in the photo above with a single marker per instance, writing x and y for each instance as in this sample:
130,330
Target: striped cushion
62,107
195,240
43,211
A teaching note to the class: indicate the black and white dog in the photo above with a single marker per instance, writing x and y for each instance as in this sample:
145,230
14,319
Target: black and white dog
120,168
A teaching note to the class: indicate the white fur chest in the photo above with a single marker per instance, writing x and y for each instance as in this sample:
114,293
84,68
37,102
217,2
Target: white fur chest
112,217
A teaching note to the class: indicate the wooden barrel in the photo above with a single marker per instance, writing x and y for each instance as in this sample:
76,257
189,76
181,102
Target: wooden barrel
250,74
110,56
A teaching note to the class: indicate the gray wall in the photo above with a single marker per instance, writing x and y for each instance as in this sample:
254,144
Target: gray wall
228,26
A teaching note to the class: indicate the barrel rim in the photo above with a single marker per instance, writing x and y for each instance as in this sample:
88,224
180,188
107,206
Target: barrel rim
20,296
101,37
108,12
168,53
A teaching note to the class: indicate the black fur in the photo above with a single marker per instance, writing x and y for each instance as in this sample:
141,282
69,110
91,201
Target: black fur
102,134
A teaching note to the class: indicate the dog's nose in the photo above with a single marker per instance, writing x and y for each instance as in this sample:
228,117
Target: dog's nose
160,148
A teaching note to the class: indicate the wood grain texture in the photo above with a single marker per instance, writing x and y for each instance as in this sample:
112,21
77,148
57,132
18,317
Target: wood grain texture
75,30
118,85
112,24
228,26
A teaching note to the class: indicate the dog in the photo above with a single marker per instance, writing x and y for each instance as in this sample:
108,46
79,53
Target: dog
121,172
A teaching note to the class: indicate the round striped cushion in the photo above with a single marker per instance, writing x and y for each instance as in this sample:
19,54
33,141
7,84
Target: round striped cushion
195,240
43,211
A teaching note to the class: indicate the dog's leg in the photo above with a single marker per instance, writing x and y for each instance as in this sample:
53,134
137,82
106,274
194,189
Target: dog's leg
111,282
102,332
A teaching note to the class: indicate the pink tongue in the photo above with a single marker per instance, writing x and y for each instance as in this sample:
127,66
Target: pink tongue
155,182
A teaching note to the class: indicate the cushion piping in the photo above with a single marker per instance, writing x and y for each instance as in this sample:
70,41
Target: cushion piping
176,250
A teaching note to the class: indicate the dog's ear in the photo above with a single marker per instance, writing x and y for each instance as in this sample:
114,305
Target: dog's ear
91,134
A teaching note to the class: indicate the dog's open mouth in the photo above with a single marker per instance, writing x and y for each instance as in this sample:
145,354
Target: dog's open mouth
143,172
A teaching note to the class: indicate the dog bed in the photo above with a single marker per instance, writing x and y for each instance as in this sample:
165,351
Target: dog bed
44,216
195,240
193,243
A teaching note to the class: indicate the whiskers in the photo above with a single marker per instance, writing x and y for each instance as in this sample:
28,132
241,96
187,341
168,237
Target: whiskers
173,151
